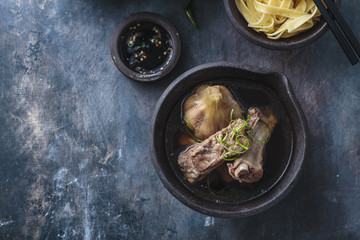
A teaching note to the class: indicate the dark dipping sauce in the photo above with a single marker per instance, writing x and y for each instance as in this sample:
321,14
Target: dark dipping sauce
276,156
146,48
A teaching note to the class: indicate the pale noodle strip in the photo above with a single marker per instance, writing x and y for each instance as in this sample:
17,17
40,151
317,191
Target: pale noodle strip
271,10
279,18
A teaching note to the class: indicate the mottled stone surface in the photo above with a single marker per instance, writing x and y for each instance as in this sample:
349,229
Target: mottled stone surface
74,158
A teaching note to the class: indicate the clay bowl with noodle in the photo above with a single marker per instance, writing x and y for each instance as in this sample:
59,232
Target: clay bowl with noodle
300,40
284,152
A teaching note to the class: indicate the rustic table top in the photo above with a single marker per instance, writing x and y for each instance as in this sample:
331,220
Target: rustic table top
74,156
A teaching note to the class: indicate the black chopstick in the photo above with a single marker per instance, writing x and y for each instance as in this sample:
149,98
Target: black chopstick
339,18
340,29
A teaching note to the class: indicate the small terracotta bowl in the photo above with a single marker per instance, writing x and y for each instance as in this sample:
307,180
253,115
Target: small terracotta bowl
144,17
260,39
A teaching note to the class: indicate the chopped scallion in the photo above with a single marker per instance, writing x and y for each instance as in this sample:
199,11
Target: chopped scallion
189,13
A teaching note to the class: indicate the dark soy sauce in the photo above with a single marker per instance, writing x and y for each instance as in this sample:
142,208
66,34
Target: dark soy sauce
146,48
276,156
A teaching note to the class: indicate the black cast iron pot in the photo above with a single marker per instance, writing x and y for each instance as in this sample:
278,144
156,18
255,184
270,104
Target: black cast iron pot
284,154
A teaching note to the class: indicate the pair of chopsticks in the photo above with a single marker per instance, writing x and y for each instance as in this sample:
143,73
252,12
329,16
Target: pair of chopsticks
340,29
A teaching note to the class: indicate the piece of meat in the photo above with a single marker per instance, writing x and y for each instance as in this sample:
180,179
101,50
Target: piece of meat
248,168
200,159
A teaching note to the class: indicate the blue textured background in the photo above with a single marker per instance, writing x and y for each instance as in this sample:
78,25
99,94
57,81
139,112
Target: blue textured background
74,158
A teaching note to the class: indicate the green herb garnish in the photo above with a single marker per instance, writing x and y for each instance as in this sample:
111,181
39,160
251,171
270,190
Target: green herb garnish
190,133
189,13
241,134
245,145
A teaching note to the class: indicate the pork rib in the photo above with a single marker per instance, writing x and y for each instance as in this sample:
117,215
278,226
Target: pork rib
248,168
200,159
